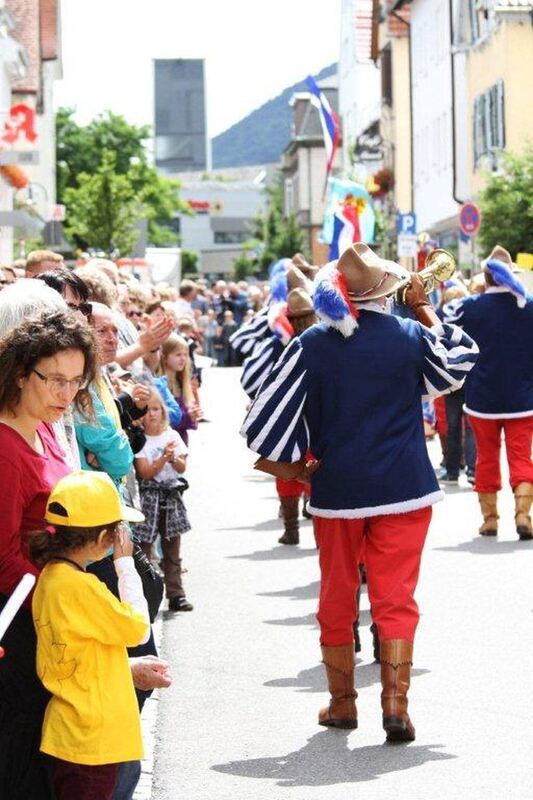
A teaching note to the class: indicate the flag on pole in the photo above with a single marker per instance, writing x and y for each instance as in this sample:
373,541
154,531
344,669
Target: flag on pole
346,231
328,120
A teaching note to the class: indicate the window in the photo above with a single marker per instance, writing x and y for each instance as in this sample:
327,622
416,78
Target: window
289,196
231,237
386,75
489,122
479,12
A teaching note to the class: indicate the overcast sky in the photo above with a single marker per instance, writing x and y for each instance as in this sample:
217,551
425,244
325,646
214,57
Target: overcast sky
253,50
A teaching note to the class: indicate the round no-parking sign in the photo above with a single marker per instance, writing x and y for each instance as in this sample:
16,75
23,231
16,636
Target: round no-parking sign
469,219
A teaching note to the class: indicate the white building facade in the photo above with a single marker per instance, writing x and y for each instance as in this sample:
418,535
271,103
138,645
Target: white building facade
433,157
359,77
224,205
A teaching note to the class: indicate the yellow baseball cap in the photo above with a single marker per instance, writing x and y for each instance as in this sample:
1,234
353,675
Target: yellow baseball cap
89,499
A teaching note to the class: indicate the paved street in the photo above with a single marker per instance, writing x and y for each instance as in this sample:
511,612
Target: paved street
240,719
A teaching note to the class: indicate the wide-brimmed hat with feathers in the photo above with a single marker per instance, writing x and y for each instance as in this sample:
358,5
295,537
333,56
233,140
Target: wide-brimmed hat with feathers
359,275
297,298
300,261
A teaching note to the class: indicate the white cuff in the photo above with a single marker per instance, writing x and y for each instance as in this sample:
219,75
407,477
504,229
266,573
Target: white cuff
130,589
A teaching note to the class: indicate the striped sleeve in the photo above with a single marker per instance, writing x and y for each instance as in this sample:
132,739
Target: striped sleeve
275,426
247,336
258,366
454,311
449,355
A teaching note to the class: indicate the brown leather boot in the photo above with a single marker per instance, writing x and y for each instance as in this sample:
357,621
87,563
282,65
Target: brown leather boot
289,510
523,495
396,661
340,667
487,501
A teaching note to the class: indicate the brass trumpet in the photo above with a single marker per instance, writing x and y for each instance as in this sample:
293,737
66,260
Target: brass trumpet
440,266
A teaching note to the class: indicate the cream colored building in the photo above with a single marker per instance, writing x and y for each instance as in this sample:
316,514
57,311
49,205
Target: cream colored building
497,36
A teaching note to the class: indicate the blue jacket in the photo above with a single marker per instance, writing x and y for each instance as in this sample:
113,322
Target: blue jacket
501,383
174,411
100,437
259,365
355,402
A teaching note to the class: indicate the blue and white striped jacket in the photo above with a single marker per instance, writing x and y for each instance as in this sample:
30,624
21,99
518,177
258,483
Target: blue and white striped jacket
355,403
257,367
252,333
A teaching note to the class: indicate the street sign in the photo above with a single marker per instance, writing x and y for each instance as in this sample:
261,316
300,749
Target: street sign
58,213
406,223
469,219
19,157
407,245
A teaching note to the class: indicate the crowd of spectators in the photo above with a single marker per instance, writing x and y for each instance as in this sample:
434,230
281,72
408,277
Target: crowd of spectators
100,375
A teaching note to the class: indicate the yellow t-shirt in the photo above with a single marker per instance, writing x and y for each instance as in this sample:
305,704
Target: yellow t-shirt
82,635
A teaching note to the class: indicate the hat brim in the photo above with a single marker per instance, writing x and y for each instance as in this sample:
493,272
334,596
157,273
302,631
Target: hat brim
391,284
304,312
131,514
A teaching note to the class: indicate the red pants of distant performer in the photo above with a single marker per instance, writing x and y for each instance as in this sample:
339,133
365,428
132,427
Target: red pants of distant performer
518,437
292,488
393,548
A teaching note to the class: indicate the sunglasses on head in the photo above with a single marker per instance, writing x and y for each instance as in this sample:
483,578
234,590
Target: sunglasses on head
85,308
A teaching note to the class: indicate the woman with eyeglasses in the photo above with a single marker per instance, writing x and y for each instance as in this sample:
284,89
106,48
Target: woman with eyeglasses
71,287
45,363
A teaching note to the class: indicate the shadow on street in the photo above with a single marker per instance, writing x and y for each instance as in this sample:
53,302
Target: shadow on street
314,679
310,619
277,554
326,760
308,592
484,545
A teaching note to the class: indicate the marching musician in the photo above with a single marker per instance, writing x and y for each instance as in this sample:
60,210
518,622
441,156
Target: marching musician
349,390
286,320
499,391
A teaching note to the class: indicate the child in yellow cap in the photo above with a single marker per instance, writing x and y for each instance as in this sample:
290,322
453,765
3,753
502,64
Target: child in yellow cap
92,723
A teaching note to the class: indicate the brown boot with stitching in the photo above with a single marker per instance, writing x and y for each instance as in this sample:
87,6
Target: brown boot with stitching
487,501
289,510
523,495
396,661
340,667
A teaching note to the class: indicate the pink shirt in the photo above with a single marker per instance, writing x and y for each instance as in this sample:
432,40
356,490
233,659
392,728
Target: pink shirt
26,480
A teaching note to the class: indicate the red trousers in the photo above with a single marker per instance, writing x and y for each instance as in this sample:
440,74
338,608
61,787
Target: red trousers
83,782
518,438
292,488
393,549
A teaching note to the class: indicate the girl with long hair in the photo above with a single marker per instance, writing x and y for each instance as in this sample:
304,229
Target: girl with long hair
177,369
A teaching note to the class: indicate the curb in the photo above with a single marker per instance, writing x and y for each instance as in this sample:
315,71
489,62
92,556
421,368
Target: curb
149,728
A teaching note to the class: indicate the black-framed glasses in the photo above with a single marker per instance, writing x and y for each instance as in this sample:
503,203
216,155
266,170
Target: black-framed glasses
57,384
135,314
85,308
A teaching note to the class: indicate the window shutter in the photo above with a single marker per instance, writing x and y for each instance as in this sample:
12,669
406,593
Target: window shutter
500,114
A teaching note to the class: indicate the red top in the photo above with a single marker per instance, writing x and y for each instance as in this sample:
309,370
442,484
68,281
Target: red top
26,480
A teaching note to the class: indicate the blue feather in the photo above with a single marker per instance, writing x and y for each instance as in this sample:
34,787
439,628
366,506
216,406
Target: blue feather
278,287
329,301
278,266
503,276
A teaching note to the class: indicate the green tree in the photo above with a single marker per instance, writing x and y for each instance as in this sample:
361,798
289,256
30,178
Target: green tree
506,204
243,266
189,262
104,210
278,235
80,151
